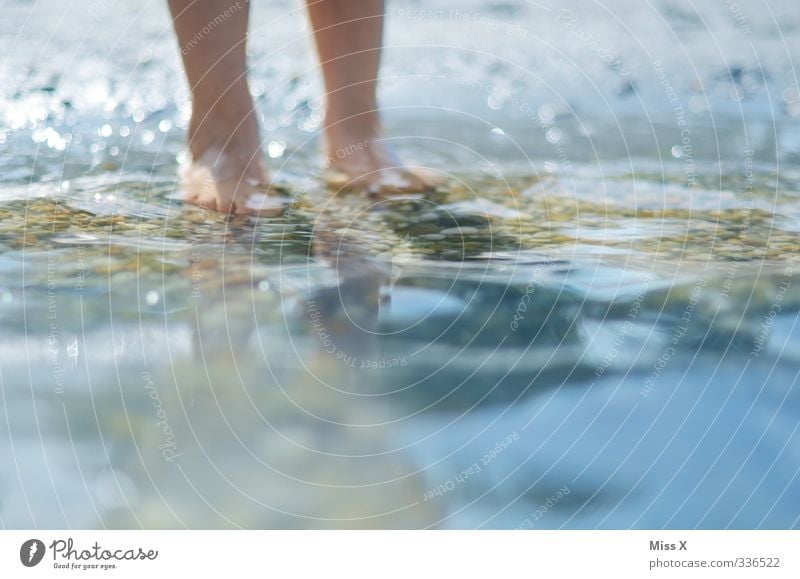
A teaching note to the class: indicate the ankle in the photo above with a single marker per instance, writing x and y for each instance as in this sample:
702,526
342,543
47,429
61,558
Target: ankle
224,128
229,155
361,128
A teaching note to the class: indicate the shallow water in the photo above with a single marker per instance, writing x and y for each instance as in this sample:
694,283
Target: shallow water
591,324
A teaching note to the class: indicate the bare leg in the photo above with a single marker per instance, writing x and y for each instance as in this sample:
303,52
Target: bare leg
348,34
227,165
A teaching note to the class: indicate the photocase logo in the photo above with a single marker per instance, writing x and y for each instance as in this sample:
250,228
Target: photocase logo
31,552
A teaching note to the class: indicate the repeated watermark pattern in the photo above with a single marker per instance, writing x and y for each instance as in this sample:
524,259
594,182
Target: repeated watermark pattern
167,446
570,20
473,469
544,508
628,325
276,452
671,350
208,28
463,16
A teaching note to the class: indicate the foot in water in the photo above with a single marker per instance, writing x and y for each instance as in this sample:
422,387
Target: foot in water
226,171
231,180
232,177
361,159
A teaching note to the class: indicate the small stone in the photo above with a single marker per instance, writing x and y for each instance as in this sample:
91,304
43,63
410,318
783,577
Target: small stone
459,231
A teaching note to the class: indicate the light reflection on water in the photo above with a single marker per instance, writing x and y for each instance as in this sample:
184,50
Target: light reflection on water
580,345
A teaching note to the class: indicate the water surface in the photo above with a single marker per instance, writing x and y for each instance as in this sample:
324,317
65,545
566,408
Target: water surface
592,323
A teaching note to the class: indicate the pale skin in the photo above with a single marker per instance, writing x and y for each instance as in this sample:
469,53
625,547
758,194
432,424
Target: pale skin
227,166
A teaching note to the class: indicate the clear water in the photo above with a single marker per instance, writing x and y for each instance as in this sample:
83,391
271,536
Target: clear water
591,324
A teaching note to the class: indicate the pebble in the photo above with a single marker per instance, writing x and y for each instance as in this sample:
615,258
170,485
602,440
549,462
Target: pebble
459,231
446,230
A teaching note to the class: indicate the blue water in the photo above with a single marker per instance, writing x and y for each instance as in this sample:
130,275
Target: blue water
592,324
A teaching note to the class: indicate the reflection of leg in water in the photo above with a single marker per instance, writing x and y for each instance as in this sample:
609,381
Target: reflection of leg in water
401,255
344,319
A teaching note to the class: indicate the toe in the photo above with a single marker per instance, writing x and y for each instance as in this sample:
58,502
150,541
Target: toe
265,205
399,181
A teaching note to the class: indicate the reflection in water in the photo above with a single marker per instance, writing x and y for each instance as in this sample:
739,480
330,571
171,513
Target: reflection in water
353,392
588,325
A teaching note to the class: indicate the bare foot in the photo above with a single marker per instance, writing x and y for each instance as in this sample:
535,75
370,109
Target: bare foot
230,181
360,160
226,171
